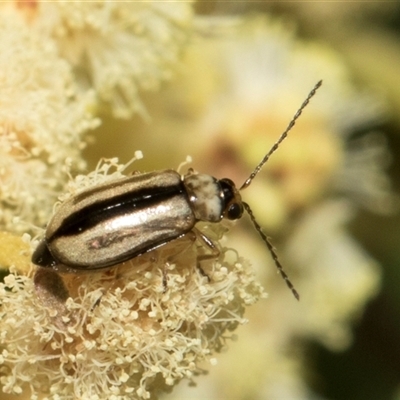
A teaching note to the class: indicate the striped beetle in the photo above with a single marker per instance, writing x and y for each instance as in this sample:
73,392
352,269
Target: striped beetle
119,220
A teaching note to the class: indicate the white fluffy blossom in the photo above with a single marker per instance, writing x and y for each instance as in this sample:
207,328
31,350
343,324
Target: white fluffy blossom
119,48
124,333
42,119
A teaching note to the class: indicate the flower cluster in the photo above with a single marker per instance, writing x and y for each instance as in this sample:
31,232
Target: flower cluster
116,48
127,332
138,328
42,118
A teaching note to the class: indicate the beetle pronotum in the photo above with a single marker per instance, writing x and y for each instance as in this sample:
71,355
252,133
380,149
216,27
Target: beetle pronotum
117,221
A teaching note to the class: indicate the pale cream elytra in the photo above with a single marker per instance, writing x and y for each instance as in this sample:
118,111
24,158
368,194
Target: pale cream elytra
117,221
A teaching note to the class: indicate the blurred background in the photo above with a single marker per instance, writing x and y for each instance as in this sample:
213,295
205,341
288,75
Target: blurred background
325,192
367,36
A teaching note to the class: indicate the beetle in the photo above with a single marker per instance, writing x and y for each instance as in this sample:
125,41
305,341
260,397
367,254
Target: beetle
122,219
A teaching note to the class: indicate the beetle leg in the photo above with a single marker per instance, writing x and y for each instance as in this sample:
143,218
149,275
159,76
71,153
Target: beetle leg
207,242
164,278
96,303
180,248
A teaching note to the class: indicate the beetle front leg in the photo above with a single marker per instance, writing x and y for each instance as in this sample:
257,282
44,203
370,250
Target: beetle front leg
207,242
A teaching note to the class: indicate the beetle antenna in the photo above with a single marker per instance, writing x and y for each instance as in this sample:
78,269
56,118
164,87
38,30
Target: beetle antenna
272,251
282,137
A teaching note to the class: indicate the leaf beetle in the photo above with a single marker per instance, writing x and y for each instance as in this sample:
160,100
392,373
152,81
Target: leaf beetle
119,220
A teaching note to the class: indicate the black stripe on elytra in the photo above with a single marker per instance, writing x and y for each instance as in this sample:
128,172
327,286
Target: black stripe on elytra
95,213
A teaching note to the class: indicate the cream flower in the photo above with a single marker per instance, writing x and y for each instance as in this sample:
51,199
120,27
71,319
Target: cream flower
42,119
145,325
119,48
126,332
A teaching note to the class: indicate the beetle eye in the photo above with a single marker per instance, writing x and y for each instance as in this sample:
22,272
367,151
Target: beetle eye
234,211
